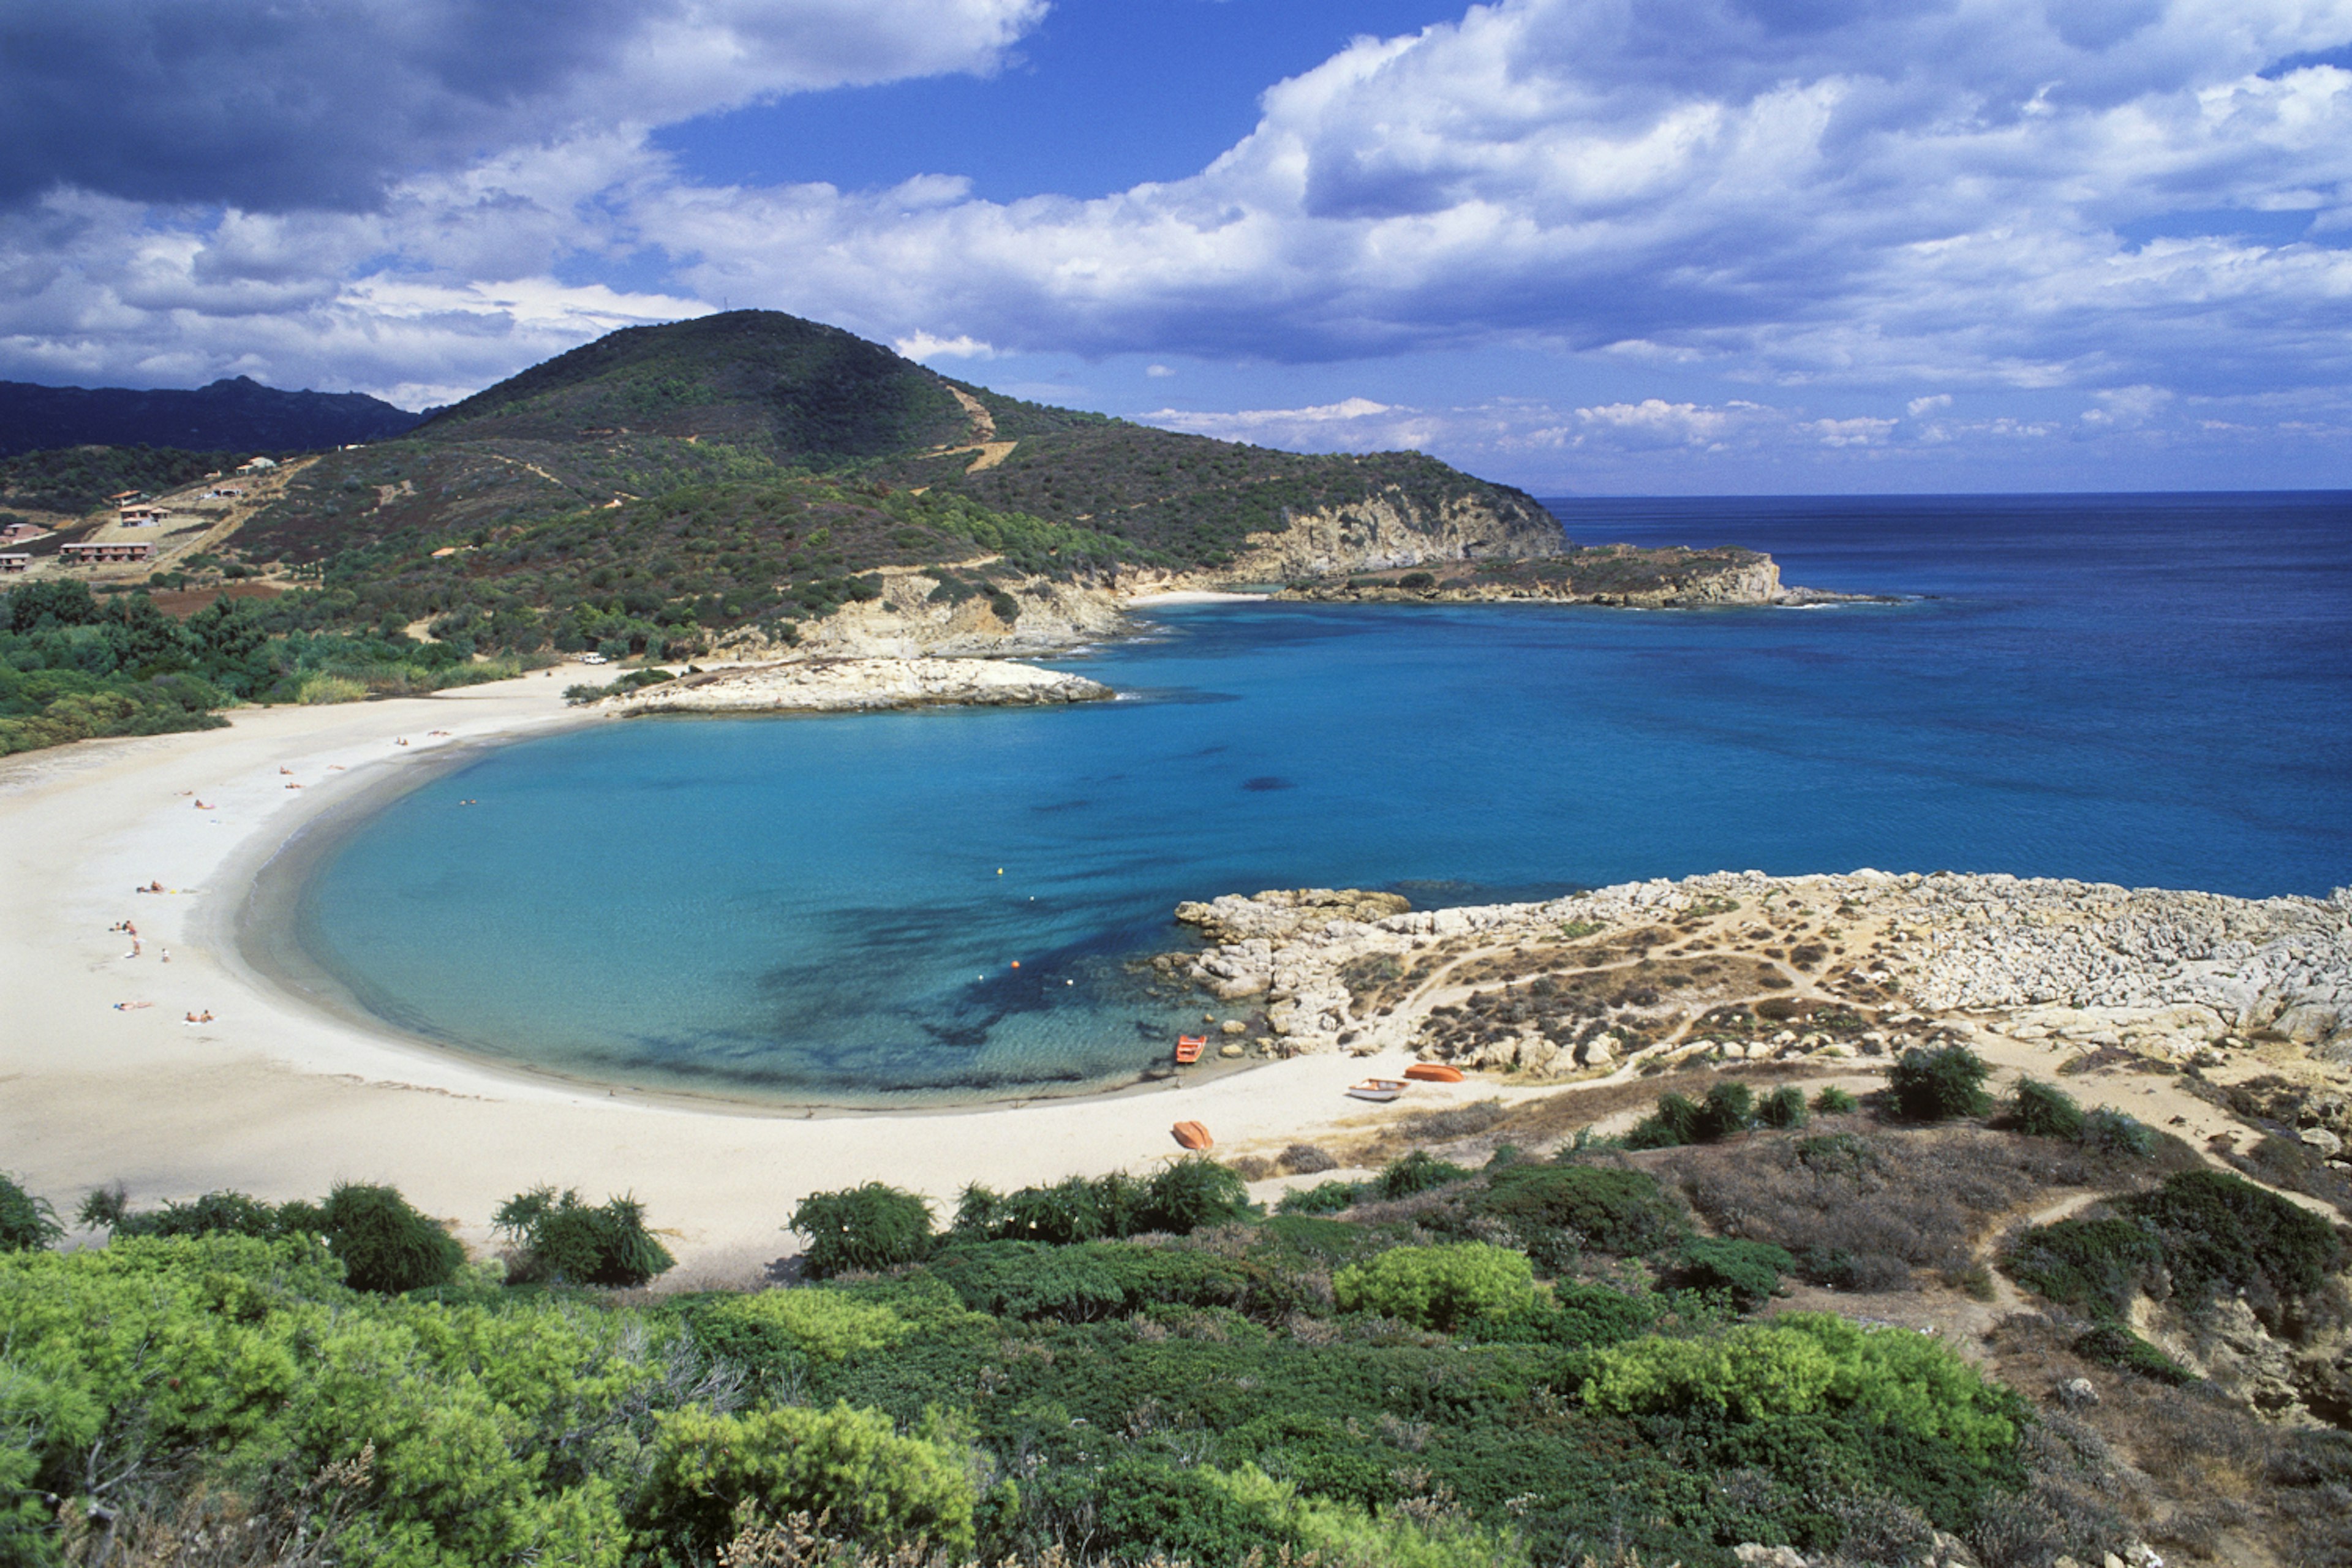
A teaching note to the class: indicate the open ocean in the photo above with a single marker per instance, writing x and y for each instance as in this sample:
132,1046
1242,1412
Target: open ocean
2144,689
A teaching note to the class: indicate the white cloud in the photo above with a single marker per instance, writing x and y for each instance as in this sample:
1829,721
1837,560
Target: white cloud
924,346
1919,406
1157,371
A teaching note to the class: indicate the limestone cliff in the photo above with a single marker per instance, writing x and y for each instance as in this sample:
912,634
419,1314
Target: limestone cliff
1391,530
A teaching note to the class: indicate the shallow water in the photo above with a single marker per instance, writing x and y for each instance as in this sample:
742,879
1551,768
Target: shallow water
2150,690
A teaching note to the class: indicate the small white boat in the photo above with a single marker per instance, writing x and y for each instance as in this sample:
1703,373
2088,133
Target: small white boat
1382,1089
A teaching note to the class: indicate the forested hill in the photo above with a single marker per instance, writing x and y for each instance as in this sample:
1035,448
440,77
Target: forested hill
239,413
724,415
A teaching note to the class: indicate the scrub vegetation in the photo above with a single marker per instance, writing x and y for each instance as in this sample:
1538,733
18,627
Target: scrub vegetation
1534,1362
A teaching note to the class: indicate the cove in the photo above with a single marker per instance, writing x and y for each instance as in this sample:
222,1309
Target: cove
2147,690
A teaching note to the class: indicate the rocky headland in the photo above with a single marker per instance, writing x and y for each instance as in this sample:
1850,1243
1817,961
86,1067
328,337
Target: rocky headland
1670,577
855,685
1742,967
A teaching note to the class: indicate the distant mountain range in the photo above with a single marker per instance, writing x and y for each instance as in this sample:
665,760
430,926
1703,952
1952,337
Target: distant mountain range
228,415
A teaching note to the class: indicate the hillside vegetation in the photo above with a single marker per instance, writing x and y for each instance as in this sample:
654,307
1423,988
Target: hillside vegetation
656,492
1505,1363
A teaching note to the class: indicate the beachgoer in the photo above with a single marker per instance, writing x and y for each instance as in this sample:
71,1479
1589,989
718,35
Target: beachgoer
164,955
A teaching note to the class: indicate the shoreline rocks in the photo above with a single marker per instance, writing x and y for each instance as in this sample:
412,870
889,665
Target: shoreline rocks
857,684
1738,966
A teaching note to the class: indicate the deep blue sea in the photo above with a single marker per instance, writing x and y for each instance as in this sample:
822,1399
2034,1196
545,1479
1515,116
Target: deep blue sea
2146,690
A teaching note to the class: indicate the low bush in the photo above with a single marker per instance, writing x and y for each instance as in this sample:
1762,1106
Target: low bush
1783,1110
2112,1345
1442,1288
561,1240
1418,1172
215,1214
1835,1101
1806,1363
383,1243
869,1227
2223,1233
1938,1085
1324,1197
847,1466
2044,1111
814,1324
2116,1132
1179,1198
26,1223
1748,1271
2097,1264
1598,1208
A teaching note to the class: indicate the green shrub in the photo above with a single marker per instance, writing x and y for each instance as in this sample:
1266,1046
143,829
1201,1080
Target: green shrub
875,1487
1598,1207
26,1223
1416,1173
2112,1345
1439,1288
1179,1198
1188,1193
2223,1233
869,1227
2097,1264
1806,1363
1674,1123
562,1240
215,1214
1749,1271
384,1244
1031,1279
2044,1111
1783,1110
2116,1132
1835,1101
1324,1197
1728,1108
1938,1085
821,1325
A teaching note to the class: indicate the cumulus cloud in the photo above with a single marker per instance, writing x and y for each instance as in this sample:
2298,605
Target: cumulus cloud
1795,199
329,103
1911,189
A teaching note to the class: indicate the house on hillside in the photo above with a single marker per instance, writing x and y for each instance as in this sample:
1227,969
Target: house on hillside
16,561
257,465
10,532
107,552
144,514
124,498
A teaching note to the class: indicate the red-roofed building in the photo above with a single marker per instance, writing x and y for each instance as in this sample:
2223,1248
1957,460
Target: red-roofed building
107,552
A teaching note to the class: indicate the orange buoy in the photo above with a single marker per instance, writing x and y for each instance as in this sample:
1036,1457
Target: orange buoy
1192,1135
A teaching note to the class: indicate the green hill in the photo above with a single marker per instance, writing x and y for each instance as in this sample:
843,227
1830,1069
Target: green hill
758,399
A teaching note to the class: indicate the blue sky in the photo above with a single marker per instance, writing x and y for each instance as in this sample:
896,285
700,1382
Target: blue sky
1585,246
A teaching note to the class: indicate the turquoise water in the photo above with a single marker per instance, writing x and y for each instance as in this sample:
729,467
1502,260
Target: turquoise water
2150,690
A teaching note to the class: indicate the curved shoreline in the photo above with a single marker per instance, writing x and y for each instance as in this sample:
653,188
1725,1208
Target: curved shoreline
281,1097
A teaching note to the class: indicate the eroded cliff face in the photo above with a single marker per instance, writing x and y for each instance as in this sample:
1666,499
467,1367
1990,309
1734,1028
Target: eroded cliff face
1390,530
910,622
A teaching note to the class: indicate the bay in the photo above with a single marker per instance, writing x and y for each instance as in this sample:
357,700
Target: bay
2152,690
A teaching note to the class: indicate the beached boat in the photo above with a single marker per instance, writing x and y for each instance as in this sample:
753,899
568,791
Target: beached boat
1433,1073
1382,1089
1189,1049
1191,1134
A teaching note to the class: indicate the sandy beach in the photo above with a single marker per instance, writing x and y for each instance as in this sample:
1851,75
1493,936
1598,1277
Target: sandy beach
281,1098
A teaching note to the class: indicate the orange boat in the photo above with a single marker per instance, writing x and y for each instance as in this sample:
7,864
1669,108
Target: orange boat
1189,1049
1192,1135
1433,1073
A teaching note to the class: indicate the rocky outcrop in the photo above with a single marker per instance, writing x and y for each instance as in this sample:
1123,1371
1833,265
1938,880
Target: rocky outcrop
1671,577
913,619
850,685
1393,529
1862,965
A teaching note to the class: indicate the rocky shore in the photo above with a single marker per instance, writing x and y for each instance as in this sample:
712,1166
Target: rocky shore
854,685
1671,577
1741,966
